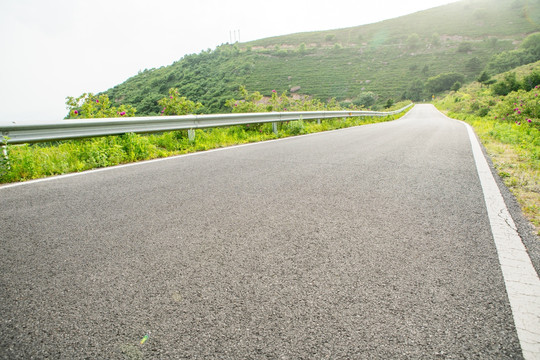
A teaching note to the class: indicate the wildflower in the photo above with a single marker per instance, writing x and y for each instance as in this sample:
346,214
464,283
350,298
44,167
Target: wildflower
75,112
519,112
122,113
274,91
529,120
97,101
518,123
170,97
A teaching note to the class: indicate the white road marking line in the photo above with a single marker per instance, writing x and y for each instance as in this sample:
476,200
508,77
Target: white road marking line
521,280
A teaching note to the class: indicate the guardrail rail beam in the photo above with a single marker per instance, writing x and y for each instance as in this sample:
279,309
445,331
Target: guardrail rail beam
84,128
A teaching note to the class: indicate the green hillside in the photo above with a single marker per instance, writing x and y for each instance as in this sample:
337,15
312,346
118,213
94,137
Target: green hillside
390,59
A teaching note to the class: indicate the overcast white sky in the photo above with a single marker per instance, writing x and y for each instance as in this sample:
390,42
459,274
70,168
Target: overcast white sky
50,49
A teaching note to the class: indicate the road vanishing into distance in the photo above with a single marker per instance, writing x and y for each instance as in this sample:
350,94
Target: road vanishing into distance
371,242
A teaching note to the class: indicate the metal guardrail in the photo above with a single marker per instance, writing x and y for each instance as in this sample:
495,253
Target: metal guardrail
83,128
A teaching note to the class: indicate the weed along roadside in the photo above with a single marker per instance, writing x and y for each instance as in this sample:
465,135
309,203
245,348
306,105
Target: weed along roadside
509,127
33,161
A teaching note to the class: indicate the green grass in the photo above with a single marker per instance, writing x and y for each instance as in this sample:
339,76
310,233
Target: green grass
515,152
511,139
47,159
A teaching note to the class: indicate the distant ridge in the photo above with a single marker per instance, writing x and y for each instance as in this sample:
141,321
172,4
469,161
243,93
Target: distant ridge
391,59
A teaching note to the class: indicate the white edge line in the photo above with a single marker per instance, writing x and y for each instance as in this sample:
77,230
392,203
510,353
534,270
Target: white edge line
520,278
144,162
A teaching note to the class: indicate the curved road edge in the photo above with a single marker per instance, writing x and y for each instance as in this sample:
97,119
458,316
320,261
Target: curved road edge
520,276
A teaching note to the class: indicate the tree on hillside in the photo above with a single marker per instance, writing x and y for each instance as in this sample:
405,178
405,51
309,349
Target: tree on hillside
330,37
464,47
366,99
506,85
473,65
532,45
435,39
508,60
528,52
413,41
456,86
492,42
531,81
484,78
443,82
415,92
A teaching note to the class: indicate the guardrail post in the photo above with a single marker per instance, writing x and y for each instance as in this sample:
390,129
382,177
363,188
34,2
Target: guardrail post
318,121
274,127
191,134
4,159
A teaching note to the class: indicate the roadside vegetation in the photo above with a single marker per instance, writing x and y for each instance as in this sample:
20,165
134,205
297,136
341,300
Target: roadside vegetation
31,161
504,111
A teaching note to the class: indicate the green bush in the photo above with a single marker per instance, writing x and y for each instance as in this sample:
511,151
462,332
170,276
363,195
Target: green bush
530,81
413,41
532,45
89,106
294,127
415,92
506,85
528,52
366,99
175,104
464,47
443,82
456,86
508,60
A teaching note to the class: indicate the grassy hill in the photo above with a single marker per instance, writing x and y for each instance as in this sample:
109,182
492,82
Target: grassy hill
390,59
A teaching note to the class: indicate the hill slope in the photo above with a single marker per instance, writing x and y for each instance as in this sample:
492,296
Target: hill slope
392,58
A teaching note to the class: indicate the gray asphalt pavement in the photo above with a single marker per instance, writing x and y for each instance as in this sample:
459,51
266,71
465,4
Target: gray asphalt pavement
365,243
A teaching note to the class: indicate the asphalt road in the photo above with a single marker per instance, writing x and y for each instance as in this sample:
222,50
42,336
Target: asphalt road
365,243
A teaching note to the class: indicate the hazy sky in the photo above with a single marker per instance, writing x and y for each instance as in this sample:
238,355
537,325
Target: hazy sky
50,49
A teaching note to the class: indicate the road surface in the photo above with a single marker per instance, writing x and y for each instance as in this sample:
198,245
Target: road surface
364,243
